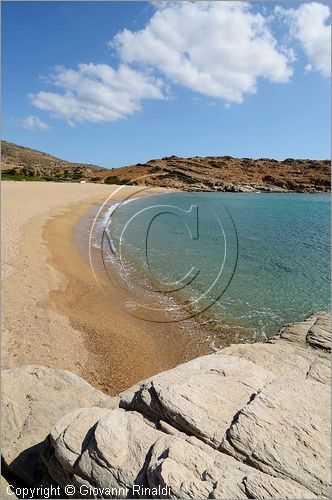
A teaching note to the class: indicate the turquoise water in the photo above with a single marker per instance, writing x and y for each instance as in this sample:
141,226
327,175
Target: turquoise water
245,262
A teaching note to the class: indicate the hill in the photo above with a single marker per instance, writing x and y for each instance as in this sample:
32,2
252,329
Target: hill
225,173
19,161
211,173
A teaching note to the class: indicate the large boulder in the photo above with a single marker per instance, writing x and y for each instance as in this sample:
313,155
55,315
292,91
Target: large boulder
256,402
249,421
319,334
96,447
131,439
200,397
191,471
119,454
34,398
281,432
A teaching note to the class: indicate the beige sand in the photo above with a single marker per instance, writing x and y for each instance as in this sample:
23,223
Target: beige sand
52,313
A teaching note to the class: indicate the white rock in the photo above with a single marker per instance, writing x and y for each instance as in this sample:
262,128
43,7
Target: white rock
107,448
33,399
250,421
191,472
282,433
319,335
256,402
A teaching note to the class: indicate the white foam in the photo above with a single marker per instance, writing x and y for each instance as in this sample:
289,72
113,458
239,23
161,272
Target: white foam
105,221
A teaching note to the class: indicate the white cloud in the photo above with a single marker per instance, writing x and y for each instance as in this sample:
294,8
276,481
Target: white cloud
32,123
219,49
308,24
97,93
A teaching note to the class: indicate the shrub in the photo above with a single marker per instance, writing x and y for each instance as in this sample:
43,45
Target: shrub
112,179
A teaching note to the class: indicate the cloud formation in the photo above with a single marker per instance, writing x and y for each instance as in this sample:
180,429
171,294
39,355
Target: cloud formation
32,123
97,93
309,25
219,49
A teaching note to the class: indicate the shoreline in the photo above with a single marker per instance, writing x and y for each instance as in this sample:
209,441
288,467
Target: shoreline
32,333
121,348
56,315
53,308
229,413
246,414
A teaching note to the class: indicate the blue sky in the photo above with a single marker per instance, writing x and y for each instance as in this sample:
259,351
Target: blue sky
247,80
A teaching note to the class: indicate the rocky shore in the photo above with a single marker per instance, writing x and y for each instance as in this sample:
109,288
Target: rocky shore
249,421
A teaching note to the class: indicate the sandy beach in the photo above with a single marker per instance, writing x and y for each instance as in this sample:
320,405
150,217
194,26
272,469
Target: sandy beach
185,421
54,314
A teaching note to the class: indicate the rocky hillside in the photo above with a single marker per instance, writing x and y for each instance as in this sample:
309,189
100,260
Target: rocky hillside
211,173
21,161
249,421
225,173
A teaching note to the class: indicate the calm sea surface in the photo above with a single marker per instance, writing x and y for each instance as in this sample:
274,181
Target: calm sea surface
245,262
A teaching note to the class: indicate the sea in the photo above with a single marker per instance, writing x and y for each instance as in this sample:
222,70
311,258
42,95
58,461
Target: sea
241,264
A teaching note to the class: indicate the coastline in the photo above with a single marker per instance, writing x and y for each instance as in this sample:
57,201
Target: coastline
56,314
53,308
122,349
32,333
239,422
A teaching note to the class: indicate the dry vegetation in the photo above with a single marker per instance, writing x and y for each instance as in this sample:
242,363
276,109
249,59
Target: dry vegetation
212,173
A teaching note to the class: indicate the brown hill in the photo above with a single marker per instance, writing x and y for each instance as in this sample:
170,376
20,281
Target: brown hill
225,173
21,161
211,173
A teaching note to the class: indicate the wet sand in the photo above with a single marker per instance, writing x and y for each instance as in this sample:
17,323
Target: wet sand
55,314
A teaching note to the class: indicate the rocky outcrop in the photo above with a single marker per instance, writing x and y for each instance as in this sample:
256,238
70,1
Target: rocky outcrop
123,452
34,398
244,401
210,173
225,173
249,421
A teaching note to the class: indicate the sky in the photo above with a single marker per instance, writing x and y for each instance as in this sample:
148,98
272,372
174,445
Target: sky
119,83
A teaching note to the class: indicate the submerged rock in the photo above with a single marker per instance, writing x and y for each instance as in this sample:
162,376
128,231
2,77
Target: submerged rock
249,421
